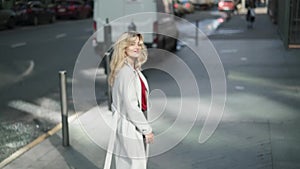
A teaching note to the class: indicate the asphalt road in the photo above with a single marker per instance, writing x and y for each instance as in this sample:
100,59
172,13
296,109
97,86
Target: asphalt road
31,58
259,124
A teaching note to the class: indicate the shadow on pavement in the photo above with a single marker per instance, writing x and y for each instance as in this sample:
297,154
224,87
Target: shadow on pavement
72,157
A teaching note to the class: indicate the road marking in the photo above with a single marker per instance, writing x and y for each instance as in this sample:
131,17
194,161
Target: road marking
16,45
35,110
60,35
28,70
239,87
49,103
244,59
11,78
260,81
229,31
94,73
229,51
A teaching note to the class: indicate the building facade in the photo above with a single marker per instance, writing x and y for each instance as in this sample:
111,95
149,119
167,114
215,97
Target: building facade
286,13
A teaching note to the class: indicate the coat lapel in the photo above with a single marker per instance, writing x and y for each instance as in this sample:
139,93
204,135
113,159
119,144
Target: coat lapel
144,80
138,74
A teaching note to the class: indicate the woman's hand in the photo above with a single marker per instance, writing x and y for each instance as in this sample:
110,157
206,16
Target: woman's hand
149,138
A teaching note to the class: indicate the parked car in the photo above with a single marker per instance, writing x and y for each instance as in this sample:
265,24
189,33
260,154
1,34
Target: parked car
178,8
76,9
33,12
202,3
187,6
226,5
7,18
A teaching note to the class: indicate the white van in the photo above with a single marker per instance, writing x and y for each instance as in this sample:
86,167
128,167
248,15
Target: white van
148,16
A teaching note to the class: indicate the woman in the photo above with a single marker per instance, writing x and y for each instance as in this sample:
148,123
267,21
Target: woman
130,96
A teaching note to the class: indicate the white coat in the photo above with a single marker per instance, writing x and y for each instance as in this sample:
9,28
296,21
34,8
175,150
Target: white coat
132,125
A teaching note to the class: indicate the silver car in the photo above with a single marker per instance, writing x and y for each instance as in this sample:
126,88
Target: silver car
7,18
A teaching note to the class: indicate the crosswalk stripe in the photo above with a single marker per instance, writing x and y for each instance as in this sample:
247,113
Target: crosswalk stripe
35,110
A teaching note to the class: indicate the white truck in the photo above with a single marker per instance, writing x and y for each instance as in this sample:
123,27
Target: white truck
153,18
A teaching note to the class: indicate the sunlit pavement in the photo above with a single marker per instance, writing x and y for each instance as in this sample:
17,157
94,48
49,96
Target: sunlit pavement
259,128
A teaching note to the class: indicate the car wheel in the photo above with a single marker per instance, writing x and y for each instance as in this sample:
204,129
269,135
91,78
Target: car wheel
11,23
35,21
174,47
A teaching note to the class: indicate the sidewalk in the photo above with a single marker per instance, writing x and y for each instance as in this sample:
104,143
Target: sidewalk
248,137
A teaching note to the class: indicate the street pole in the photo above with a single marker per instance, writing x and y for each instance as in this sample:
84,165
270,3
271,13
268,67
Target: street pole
243,5
64,108
197,31
108,42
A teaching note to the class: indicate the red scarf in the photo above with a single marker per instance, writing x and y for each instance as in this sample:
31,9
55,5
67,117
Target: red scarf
144,96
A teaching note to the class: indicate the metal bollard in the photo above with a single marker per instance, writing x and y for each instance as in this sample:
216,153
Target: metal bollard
64,108
108,42
107,34
197,32
132,26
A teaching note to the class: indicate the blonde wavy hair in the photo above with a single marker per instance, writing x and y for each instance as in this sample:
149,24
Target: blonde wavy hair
119,54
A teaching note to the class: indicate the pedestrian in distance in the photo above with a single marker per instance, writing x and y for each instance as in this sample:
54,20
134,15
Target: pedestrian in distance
250,16
130,100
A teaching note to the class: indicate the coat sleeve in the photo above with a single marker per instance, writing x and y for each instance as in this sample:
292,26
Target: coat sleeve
128,92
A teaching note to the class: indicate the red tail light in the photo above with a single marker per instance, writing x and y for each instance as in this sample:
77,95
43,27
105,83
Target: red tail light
176,6
187,5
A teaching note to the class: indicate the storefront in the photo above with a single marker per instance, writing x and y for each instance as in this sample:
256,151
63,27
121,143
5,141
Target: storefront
294,25
288,19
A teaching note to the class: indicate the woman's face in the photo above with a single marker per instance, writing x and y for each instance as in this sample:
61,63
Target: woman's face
134,48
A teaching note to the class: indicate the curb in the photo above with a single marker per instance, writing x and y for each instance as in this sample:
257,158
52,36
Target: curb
35,142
